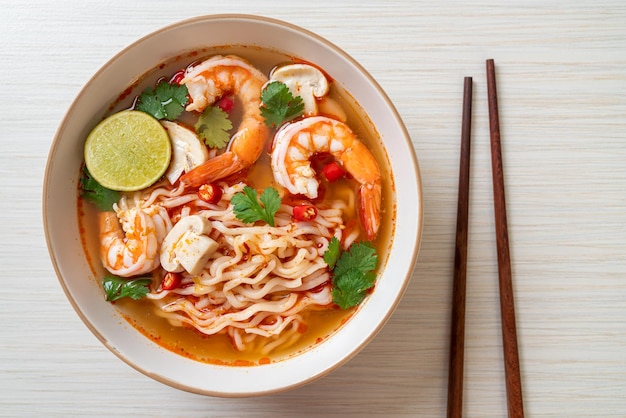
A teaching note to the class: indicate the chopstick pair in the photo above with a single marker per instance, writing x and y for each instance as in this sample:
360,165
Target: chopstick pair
507,309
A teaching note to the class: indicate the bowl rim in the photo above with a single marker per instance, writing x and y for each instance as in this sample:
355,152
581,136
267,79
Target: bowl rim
327,44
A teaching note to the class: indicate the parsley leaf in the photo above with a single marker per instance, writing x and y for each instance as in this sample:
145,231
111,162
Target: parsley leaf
213,126
165,101
332,253
360,256
118,287
352,272
279,105
175,91
248,209
350,288
95,193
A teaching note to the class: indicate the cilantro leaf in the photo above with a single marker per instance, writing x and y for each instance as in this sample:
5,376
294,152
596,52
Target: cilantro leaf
271,202
174,91
213,126
248,209
360,256
165,101
95,193
331,255
350,288
352,271
118,287
279,105
150,103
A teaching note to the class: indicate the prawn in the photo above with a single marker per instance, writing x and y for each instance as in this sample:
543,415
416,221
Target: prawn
130,239
206,83
294,145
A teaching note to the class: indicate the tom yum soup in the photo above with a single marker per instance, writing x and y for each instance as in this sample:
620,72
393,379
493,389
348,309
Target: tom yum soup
236,209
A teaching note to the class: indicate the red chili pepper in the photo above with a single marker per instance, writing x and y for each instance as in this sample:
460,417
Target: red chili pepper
226,103
171,281
177,77
333,171
304,212
210,193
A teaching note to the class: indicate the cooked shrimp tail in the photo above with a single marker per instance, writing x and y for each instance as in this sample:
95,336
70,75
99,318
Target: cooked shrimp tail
207,82
131,247
245,148
369,204
297,142
216,168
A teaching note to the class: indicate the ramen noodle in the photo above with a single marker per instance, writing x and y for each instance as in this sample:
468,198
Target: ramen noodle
221,287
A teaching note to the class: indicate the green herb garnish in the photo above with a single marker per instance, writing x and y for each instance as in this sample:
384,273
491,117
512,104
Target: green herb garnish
118,287
279,105
331,255
352,271
213,126
360,256
165,101
95,193
248,209
350,288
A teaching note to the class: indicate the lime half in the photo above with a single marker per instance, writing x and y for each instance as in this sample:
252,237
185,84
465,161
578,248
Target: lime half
129,150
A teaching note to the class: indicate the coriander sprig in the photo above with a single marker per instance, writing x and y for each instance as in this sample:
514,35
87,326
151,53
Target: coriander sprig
165,101
279,105
97,194
248,209
213,126
117,287
331,255
352,272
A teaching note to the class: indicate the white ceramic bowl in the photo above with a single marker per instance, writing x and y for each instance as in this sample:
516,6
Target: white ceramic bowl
84,292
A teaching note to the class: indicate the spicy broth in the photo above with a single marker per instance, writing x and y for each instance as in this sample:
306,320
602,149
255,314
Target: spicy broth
188,341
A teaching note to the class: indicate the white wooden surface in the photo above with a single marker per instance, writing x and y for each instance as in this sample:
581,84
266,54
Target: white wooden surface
562,92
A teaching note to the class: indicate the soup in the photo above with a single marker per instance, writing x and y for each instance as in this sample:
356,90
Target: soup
262,240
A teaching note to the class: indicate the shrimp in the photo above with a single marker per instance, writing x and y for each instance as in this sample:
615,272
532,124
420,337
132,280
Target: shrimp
132,248
207,82
295,143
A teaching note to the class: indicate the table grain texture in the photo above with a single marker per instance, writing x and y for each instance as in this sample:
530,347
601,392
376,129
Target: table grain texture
561,71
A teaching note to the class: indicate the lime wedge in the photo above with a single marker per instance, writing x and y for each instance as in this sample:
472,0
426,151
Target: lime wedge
129,150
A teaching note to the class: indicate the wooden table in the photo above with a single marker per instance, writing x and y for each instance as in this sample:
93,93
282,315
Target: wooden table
561,72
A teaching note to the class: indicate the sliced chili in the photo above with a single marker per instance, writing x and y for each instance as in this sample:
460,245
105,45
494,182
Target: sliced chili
333,171
171,281
226,103
210,193
304,212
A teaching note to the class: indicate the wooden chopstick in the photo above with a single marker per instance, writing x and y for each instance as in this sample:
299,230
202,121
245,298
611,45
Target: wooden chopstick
457,331
507,308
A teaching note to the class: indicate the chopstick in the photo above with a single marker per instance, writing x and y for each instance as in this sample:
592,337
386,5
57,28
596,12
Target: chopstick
507,306
507,309
457,331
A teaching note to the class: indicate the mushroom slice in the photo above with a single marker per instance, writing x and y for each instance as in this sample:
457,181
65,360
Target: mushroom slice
305,81
188,151
187,247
